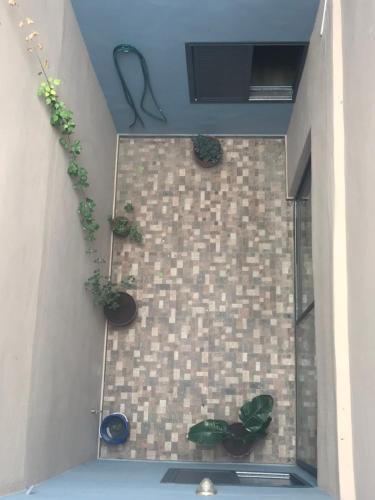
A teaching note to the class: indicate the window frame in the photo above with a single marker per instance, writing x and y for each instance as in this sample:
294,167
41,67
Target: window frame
299,312
300,316
195,99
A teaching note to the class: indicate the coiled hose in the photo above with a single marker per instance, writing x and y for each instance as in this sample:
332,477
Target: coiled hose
128,49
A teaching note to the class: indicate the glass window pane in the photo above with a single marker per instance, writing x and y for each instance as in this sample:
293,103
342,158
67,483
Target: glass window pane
305,284
306,387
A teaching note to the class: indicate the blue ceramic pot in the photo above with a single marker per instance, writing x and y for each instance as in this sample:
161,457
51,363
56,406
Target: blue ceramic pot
115,429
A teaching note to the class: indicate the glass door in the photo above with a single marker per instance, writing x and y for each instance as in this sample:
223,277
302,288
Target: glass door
306,381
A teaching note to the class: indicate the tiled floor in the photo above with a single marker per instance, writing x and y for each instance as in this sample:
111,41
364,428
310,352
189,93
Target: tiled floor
215,297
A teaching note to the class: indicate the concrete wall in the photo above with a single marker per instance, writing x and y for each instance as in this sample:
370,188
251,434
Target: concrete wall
113,479
51,335
312,126
343,204
359,108
160,29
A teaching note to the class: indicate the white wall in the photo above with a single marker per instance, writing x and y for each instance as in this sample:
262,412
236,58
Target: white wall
312,125
343,158
359,107
343,169
51,337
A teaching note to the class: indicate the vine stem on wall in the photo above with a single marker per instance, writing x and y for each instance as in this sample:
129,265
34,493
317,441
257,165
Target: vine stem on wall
62,120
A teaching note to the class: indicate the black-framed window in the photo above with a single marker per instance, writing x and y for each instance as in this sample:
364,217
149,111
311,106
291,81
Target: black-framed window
219,72
244,72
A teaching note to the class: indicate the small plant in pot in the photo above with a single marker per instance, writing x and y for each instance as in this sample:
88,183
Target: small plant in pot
237,438
115,429
119,306
125,226
207,150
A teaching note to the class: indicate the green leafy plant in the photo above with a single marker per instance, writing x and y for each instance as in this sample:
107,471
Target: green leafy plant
89,225
125,226
128,207
116,429
255,417
120,226
104,292
62,119
135,233
207,149
78,174
75,149
61,116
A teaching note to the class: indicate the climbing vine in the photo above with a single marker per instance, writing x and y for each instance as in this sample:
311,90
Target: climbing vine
62,119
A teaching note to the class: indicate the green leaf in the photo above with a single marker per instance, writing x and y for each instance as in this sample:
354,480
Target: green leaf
128,207
135,234
73,168
254,414
129,281
76,147
120,225
64,143
251,437
209,432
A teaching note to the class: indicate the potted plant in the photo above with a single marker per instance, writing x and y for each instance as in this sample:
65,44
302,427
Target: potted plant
237,438
207,150
119,306
124,225
115,429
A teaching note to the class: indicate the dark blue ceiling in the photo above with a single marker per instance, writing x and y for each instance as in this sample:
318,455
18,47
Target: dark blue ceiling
160,28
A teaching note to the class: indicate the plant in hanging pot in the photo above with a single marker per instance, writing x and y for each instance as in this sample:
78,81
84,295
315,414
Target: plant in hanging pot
119,306
124,225
237,438
207,150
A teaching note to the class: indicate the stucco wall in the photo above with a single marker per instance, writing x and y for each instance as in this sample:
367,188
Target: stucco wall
113,479
160,29
51,335
353,180
312,123
359,108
